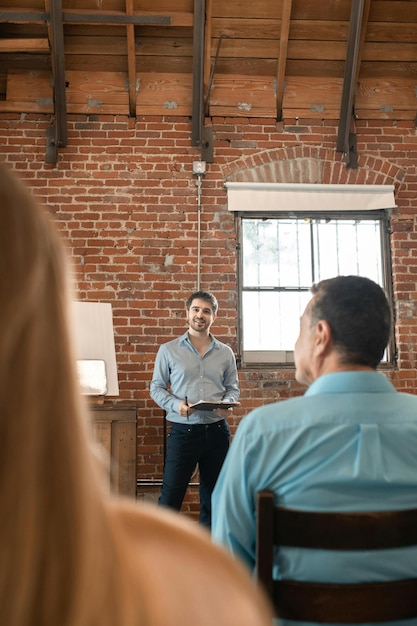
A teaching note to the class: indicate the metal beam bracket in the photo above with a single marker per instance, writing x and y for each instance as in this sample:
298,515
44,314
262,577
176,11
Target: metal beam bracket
51,155
207,144
352,157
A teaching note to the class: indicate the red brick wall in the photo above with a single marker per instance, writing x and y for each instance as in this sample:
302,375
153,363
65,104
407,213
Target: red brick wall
125,199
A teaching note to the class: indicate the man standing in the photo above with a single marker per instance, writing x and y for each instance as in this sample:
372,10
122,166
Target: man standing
348,444
194,367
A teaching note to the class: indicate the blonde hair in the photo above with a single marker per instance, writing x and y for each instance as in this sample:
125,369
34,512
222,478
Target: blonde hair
70,554
57,551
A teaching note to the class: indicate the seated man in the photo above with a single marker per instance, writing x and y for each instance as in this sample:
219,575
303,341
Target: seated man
348,444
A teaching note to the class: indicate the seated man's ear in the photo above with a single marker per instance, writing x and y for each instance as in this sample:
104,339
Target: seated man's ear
323,336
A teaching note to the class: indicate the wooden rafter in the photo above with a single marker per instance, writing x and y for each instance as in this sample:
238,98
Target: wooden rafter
115,18
198,73
282,54
56,36
356,37
110,18
364,26
207,51
131,60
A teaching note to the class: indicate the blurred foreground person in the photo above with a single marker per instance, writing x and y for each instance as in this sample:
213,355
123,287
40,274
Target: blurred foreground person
72,555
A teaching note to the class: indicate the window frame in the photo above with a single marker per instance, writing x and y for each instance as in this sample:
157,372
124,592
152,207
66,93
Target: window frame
285,358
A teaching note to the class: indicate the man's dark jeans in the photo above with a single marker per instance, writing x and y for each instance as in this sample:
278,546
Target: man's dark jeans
189,444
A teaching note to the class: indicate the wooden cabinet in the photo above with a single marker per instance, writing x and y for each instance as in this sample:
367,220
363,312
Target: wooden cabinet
115,428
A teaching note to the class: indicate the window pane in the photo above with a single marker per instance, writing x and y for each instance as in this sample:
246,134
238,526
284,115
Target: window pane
282,257
276,253
271,320
345,247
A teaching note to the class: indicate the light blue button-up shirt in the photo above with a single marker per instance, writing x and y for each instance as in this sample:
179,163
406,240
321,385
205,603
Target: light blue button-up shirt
181,372
348,444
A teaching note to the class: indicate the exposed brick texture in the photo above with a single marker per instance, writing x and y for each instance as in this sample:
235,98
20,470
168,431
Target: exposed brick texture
124,197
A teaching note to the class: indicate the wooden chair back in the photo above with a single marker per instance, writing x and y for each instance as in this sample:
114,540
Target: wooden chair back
330,602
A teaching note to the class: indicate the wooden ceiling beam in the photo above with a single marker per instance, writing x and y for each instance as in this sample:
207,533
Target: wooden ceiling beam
85,17
131,60
358,21
198,73
23,16
207,52
282,54
364,28
56,36
116,18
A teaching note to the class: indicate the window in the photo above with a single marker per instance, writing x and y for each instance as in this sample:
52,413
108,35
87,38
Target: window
282,255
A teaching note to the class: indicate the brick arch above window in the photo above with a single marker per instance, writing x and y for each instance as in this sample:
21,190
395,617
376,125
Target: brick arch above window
307,164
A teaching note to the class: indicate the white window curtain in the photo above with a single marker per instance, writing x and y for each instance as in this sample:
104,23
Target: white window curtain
267,197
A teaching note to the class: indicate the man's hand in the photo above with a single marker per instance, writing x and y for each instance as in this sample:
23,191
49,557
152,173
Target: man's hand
184,410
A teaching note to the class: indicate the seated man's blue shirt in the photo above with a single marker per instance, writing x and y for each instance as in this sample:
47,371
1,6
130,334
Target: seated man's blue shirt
348,444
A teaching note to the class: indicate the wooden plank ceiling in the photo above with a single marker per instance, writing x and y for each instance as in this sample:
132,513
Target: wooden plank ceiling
281,59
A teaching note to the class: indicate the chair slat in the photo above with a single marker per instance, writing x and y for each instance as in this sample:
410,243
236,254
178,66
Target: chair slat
375,530
328,603
346,604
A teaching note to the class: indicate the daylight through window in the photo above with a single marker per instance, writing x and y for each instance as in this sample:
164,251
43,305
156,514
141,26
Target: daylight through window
281,257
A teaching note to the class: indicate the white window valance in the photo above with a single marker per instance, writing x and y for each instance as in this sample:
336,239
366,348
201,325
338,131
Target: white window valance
267,197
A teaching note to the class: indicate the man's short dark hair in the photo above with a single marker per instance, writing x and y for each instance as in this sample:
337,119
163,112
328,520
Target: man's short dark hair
206,296
359,316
